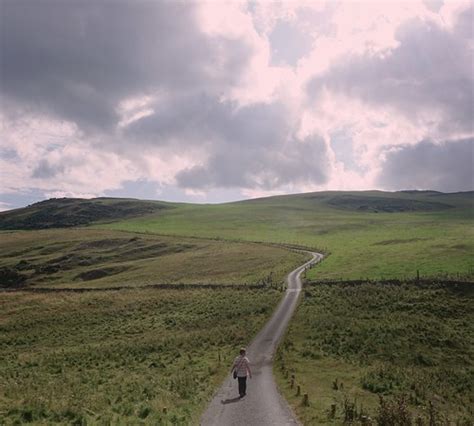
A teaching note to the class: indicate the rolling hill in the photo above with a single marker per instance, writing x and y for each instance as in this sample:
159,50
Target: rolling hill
367,234
70,212
78,347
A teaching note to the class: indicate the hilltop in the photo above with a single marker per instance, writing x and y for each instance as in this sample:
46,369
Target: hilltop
70,212
365,234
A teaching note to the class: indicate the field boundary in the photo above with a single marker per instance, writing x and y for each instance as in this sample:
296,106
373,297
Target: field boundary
150,286
396,282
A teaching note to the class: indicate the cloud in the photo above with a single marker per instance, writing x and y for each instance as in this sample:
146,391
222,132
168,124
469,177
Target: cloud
46,170
180,86
434,5
446,167
261,167
78,60
194,100
289,43
427,77
417,88
253,146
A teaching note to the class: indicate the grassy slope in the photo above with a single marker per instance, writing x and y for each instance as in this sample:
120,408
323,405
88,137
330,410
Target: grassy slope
416,234
97,258
121,357
427,236
381,340
70,212
367,242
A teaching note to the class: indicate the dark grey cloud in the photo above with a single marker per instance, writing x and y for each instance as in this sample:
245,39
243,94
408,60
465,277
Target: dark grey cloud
255,148
77,60
446,167
149,190
45,170
181,120
431,69
199,119
291,162
252,146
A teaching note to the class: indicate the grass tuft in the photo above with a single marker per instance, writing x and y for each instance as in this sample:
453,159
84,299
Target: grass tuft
113,357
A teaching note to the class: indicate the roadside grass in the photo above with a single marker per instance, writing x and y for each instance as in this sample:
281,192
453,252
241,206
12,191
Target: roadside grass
411,344
83,257
133,356
408,233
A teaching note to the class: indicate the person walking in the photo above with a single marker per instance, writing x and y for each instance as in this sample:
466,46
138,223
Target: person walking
241,369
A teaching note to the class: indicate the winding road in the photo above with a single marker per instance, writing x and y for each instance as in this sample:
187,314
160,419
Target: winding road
263,404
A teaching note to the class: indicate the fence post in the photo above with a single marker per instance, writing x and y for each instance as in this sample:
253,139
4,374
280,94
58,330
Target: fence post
305,400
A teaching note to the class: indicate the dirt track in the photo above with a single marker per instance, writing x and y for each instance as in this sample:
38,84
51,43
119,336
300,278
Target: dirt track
263,404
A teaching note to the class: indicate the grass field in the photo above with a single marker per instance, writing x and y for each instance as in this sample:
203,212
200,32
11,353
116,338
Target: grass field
84,257
134,356
366,234
412,344
123,356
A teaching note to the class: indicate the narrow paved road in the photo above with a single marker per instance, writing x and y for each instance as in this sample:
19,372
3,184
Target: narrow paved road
263,404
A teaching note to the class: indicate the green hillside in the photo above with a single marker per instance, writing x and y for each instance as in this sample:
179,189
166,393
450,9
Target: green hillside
86,258
370,234
158,346
70,212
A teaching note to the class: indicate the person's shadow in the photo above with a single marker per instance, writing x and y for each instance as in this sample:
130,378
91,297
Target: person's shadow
230,400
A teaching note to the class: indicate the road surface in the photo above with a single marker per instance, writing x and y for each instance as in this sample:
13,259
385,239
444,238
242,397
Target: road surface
263,404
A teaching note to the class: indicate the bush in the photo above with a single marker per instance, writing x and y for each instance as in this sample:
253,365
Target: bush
10,277
393,412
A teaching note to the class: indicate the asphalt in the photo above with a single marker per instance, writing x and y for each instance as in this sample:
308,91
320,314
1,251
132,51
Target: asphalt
263,404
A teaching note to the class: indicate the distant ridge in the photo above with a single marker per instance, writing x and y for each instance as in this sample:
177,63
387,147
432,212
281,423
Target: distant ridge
419,191
70,212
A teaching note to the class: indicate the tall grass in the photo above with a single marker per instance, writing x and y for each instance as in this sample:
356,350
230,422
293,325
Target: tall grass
412,345
122,357
84,258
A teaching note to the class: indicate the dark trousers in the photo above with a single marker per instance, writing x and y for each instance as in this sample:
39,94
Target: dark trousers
242,385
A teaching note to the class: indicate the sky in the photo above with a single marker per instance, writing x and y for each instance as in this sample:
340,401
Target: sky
220,101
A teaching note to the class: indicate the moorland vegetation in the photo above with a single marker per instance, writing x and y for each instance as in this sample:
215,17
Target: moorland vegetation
121,357
91,258
394,353
78,349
